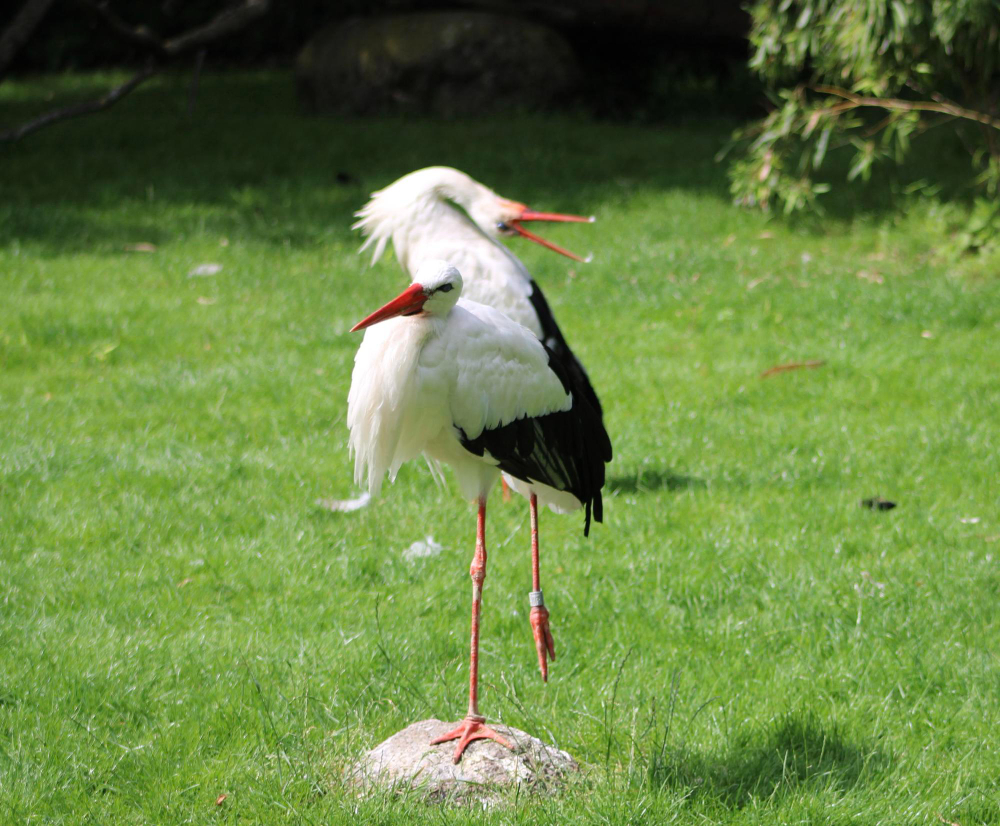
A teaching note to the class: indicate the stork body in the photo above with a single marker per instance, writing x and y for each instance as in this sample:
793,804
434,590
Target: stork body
467,386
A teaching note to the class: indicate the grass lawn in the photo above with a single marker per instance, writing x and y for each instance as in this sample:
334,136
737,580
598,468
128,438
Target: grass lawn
740,642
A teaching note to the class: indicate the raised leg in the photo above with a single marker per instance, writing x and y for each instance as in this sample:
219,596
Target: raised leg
505,488
539,614
474,727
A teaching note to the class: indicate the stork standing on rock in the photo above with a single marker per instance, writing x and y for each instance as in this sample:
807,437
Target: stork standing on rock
463,384
440,213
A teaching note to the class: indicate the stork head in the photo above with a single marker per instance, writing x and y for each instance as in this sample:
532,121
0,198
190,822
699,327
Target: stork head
410,198
434,291
501,218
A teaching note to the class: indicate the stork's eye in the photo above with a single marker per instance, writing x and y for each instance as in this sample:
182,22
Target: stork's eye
502,226
445,288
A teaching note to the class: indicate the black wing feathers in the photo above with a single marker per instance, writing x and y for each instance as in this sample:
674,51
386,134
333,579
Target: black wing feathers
565,450
553,338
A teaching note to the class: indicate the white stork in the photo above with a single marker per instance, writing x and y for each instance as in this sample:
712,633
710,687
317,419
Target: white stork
463,384
440,213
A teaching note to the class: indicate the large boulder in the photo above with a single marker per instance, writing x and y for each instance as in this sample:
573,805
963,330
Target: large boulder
444,63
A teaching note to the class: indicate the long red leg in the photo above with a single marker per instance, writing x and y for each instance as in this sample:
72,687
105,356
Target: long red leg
536,578
473,727
539,614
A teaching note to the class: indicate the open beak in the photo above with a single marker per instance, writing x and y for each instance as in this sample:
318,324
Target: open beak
556,217
409,302
531,215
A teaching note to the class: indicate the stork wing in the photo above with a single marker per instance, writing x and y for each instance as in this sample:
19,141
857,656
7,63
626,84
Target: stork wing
553,338
501,372
495,264
516,406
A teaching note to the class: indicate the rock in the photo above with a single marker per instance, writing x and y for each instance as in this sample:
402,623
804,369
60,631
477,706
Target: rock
485,774
444,63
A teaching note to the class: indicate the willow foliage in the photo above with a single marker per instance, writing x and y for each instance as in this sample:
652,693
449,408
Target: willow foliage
867,77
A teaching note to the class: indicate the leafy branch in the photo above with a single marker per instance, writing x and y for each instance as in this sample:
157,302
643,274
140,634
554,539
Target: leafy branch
867,77
942,106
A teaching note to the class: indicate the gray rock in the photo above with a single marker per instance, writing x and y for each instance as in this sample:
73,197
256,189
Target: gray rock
484,776
444,63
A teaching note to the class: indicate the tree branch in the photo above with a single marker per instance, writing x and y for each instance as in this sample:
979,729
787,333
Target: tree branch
20,29
138,35
106,101
224,23
943,107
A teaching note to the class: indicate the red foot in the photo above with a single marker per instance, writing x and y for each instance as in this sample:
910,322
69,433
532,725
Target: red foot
471,728
539,617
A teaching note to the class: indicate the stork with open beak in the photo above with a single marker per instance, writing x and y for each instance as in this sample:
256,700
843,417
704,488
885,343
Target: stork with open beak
465,385
442,213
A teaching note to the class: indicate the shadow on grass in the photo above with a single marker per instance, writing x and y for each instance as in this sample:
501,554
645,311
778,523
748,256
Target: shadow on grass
797,751
648,480
248,164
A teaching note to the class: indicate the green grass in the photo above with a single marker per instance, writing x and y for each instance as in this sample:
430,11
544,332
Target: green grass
739,643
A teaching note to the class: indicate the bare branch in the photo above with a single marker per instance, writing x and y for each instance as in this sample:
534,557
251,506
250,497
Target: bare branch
225,22
139,35
106,101
20,29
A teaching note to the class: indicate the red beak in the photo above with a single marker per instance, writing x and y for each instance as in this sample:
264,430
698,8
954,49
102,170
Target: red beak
409,302
531,215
